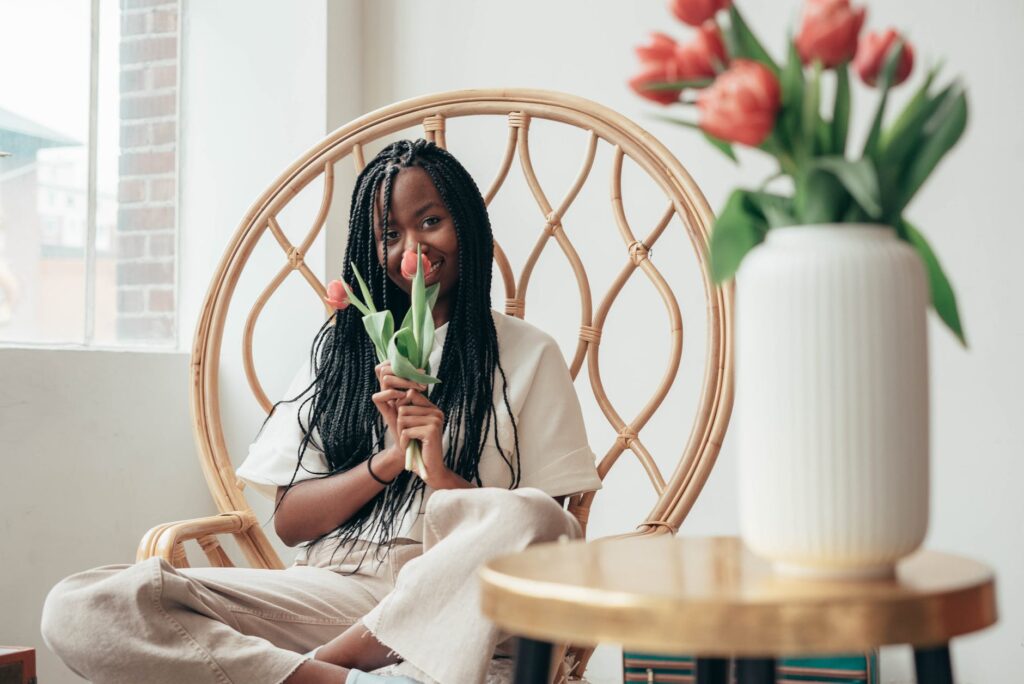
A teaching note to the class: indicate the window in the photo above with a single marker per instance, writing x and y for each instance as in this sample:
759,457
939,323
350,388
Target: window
88,172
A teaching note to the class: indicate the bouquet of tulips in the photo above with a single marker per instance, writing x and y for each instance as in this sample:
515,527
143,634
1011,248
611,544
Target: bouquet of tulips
408,348
744,96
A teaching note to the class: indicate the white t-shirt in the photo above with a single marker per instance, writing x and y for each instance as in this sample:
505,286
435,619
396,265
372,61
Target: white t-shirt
555,455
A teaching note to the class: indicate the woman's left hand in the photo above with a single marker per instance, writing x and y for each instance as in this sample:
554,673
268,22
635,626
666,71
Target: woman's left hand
419,418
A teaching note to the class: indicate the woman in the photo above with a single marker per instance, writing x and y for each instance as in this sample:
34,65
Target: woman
503,444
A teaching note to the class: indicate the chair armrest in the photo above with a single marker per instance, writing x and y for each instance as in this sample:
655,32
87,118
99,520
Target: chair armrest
165,540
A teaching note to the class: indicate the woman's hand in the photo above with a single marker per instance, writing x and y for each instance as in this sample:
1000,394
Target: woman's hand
419,418
392,390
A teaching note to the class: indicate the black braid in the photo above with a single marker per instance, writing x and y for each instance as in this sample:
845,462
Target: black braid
343,359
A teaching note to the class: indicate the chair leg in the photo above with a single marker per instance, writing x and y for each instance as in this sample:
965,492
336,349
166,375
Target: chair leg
933,665
533,661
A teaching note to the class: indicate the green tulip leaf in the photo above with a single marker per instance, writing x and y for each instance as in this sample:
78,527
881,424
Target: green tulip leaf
367,299
401,366
742,42
841,110
940,133
810,114
943,298
722,146
792,82
859,179
380,327
776,209
405,342
820,197
432,292
426,341
418,302
738,229
885,84
903,135
355,301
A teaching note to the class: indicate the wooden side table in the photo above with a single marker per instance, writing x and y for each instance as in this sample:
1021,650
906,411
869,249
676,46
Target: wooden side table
711,598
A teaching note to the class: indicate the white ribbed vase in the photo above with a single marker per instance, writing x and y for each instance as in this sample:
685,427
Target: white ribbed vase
832,399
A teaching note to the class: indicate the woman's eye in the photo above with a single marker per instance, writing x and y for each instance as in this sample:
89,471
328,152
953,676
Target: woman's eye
391,235
431,221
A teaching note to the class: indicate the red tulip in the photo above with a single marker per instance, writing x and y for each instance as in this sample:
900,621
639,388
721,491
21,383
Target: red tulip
409,264
829,32
740,106
696,12
666,60
871,54
336,297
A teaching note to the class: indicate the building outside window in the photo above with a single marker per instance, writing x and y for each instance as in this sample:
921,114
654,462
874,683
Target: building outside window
88,173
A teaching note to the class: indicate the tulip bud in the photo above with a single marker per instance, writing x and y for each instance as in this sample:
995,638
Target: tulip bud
409,264
872,52
740,106
829,32
336,297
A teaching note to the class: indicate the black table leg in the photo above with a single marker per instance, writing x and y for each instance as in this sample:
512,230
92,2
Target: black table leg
712,671
533,661
933,665
755,671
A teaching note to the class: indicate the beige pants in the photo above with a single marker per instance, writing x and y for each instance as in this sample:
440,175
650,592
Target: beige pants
150,622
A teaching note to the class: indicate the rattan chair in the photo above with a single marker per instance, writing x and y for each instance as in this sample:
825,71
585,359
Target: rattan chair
675,494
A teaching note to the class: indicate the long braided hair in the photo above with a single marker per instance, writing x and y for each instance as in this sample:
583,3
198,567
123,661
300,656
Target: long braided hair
342,356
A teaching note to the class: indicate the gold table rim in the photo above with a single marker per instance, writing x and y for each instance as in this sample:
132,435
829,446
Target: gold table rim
561,612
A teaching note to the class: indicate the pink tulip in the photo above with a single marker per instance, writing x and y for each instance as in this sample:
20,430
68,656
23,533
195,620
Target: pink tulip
409,264
696,12
664,59
829,32
336,297
871,54
740,106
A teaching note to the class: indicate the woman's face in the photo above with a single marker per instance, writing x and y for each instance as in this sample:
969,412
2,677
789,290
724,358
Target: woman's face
418,216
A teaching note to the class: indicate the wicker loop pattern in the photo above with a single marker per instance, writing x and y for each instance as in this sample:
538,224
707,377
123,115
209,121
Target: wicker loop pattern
638,251
434,122
349,144
626,436
695,454
434,130
518,119
515,307
589,333
552,223
659,523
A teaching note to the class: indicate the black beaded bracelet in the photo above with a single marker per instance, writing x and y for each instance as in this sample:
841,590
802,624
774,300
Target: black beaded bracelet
369,467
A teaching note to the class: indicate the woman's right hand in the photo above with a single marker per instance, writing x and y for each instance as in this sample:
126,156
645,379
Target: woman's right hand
394,392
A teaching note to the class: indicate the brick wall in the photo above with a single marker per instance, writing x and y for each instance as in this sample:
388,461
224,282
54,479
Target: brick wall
146,236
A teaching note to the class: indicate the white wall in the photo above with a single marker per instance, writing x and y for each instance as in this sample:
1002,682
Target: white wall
967,210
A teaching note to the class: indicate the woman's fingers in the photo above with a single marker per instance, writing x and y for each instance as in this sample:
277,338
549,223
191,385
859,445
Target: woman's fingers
387,396
419,421
391,381
417,399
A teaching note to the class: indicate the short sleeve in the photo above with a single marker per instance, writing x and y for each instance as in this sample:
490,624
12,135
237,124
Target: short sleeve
555,455
273,456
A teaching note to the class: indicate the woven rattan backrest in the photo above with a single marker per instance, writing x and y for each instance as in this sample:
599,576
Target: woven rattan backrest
676,491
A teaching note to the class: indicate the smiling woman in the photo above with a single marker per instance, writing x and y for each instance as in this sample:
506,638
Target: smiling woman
418,217
503,444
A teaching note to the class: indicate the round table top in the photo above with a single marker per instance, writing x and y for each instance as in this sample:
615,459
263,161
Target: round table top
712,597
